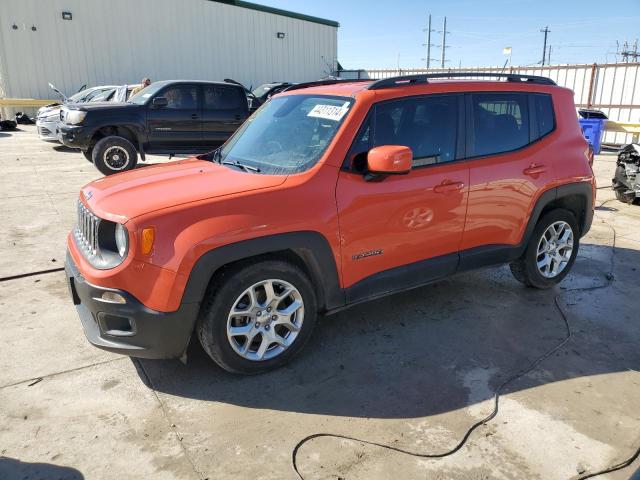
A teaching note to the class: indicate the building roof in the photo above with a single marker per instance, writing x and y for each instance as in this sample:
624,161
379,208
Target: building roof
278,11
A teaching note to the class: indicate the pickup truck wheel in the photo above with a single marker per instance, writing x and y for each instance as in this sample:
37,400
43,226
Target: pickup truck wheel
114,154
257,316
551,251
88,154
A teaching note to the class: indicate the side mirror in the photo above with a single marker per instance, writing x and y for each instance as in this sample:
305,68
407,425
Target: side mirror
388,160
160,102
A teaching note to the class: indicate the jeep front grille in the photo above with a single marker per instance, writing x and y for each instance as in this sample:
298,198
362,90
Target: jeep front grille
86,231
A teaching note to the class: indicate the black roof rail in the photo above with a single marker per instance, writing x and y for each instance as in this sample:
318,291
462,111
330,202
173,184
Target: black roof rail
319,83
404,80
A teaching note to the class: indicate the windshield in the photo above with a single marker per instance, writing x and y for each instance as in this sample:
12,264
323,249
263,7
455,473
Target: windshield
288,134
80,95
262,89
101,95
143,95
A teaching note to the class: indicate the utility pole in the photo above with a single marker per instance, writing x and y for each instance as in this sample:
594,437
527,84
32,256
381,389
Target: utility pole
428,44
544,47
628,54
549,56
444,42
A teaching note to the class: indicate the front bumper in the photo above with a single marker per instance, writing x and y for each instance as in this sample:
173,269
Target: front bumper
47,130
129,328
622,182
74,136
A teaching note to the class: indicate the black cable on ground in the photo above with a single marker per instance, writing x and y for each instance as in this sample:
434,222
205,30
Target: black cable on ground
568,334
613,468
31,274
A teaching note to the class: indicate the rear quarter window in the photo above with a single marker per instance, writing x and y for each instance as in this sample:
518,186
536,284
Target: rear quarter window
543,113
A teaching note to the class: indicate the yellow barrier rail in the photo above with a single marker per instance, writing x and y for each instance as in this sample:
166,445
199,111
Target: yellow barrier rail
24,102
623,127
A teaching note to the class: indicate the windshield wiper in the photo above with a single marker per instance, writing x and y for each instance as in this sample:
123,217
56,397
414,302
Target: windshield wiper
246,168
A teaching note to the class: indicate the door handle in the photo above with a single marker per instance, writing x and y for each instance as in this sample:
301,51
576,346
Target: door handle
448,186
534,169
195,116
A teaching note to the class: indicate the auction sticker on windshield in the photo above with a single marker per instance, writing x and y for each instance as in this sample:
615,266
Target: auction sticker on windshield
329,112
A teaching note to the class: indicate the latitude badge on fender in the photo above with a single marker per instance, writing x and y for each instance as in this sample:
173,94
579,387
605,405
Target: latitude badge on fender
370,253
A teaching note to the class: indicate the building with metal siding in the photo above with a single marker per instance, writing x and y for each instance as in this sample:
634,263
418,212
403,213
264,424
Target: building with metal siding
97,42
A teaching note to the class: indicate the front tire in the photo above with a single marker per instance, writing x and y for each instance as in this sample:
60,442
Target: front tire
114,154
257,317
88,154
551,251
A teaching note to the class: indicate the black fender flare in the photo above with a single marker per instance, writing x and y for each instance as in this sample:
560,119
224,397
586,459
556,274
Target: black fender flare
312,248
581,189
138,131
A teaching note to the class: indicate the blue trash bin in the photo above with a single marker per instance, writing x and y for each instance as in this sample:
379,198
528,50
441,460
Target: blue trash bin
593,130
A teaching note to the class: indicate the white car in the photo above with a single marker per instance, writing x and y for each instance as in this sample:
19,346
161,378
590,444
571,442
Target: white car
49,115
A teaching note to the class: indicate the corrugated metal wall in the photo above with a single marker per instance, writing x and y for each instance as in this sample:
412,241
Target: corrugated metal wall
121,41
615,88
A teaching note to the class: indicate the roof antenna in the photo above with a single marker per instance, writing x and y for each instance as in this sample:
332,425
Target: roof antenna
504,66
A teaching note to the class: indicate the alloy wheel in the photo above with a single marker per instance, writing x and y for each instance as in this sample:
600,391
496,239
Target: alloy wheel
265,320
116,158
554,249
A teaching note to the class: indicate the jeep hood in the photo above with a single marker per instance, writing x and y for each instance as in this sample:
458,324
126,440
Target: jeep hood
127,195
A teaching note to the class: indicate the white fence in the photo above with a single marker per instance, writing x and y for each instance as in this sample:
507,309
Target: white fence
613,88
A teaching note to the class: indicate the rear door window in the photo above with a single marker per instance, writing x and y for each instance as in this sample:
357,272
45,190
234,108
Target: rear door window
181,97
224,98
427,125
500,123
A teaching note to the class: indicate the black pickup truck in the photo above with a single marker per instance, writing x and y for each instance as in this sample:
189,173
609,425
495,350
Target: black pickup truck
166,117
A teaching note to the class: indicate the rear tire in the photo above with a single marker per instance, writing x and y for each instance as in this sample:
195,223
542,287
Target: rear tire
251,333
551,251
114,154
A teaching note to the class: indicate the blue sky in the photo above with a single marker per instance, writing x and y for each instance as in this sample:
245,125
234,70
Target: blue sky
375,34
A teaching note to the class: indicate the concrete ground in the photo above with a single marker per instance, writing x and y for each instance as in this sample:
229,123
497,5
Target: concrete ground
414,370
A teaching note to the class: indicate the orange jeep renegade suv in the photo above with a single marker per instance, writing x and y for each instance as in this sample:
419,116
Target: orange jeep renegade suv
331,194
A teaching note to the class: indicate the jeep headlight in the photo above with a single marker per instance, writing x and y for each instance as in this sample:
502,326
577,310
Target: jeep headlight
105,244
75,117
122,240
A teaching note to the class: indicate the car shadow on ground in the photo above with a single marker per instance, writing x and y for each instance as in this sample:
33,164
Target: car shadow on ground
11,468
419,353
65,149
